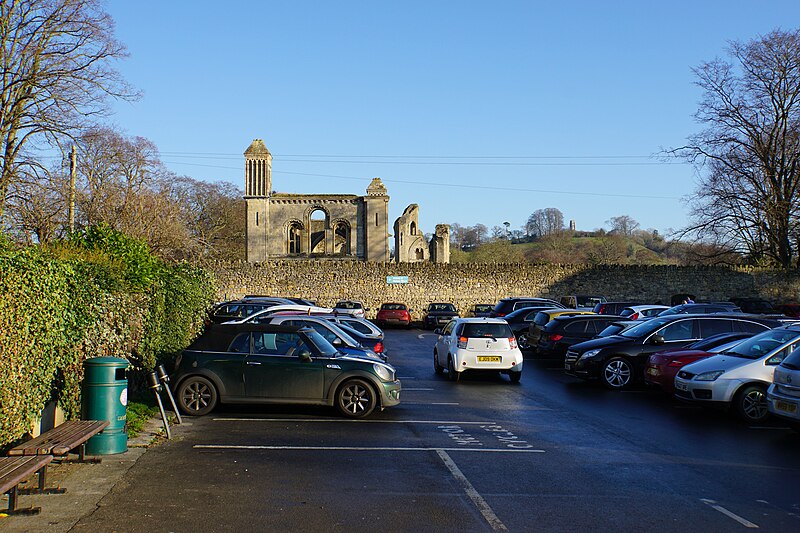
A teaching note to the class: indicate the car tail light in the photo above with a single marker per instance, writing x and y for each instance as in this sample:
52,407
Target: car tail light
500,314
555,337
634,316
512,342
462,342
378,348
602,310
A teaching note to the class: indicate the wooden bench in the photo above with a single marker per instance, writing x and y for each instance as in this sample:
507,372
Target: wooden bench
15,470
62,439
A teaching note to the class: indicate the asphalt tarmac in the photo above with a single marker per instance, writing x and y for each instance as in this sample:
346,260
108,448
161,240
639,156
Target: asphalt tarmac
548,454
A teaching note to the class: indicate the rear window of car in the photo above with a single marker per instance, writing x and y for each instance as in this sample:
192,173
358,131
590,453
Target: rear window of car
349,305
393,307
486,331
481,308
541,319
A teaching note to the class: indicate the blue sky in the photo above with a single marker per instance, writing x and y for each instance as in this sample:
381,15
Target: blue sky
480,112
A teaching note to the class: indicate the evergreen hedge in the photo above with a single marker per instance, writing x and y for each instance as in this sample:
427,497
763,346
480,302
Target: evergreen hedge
101,293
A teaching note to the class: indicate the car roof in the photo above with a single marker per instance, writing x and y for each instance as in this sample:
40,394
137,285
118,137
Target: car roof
481,320
586,316
217,334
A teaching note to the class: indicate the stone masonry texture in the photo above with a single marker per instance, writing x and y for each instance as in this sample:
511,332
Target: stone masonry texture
468,284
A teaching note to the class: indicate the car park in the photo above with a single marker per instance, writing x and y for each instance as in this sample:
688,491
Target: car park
739,377
477,345
507,305
565,330
619,361
480,310
438,314
582,302
257,363
783,396
393,314
662,367
350,307
642,312
543,317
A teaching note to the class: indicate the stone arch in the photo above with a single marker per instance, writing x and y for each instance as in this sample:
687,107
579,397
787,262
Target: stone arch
341,237
294,237
318,223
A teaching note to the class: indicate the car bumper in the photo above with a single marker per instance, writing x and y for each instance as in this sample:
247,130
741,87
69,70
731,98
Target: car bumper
719,391
661,377
509,361
783,405
390,393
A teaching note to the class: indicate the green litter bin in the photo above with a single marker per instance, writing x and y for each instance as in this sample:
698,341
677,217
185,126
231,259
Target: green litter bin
105,397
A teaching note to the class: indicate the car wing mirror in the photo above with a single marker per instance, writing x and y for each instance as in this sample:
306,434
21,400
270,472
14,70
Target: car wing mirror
305,356
437,331
657,339
337,342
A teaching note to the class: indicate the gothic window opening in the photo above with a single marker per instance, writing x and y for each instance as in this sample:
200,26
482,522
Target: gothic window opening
413,229
318,224
341,236
295,234
420,255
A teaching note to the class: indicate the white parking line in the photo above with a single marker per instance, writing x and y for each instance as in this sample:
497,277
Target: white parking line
743,521
406,389
358,448
473,494
345,421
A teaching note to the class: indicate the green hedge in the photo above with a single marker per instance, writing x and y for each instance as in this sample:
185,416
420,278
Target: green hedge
99,294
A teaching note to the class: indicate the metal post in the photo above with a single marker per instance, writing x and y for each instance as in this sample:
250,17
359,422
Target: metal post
72,165
162,375
156,386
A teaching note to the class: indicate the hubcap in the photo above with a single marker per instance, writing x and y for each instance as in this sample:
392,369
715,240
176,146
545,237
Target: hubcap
196,396
523,342
617,373
754,405
355,399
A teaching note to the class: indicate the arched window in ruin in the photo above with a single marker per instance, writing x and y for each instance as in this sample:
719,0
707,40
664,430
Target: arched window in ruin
413,228
419,254
294,238
318,223
341,238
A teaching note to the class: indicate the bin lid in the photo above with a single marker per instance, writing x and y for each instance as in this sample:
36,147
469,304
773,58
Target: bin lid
107,361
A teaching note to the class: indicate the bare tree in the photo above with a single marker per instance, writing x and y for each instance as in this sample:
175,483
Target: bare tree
623,225
748,155
56,58
545,222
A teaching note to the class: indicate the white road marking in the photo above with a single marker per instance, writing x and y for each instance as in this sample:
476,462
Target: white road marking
743,521
406,389
405,377
357,448
473,494
345,420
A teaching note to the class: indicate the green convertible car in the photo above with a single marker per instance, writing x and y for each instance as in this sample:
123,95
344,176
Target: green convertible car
259,363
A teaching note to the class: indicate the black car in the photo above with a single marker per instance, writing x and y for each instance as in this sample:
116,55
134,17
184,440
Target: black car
481,310
439,314
564,331
520,321
258,363
756,306
507,305
620,360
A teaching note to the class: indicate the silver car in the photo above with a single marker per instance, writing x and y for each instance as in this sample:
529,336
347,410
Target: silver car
783,396
739,377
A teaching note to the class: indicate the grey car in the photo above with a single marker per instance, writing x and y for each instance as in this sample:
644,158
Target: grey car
783,396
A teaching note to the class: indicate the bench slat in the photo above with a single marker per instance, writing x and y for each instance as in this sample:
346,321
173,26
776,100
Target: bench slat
14,470
61,439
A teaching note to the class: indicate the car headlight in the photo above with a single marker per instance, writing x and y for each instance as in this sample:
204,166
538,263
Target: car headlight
386,373
709,376
590,353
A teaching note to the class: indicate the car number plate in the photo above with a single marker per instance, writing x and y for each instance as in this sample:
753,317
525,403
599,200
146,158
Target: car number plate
681,386
786,407
489,358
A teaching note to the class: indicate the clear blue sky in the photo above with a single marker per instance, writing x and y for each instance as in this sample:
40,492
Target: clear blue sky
480,112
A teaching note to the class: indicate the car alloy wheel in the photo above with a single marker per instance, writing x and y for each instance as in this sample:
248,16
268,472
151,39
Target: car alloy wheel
355,398
197,396
751,404
617,373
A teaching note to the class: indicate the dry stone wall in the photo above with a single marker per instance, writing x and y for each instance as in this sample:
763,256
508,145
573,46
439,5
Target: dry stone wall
467,284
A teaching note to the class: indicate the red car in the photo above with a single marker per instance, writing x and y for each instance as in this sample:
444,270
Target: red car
393,314
663,366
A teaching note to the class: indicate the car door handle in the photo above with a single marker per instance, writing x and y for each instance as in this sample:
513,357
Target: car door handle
253,363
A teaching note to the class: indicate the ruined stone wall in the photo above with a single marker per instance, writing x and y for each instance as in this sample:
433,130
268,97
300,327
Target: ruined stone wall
467,284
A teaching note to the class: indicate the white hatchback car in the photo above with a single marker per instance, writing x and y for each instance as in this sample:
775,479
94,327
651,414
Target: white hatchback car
739,377
477,345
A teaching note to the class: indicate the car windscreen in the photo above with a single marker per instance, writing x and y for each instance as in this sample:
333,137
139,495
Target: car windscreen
612,329
358,326
792,360
645,328
762,344
488,330
589,301
324,348
449,308
481,308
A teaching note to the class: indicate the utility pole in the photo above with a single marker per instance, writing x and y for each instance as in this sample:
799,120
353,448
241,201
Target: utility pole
72,158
